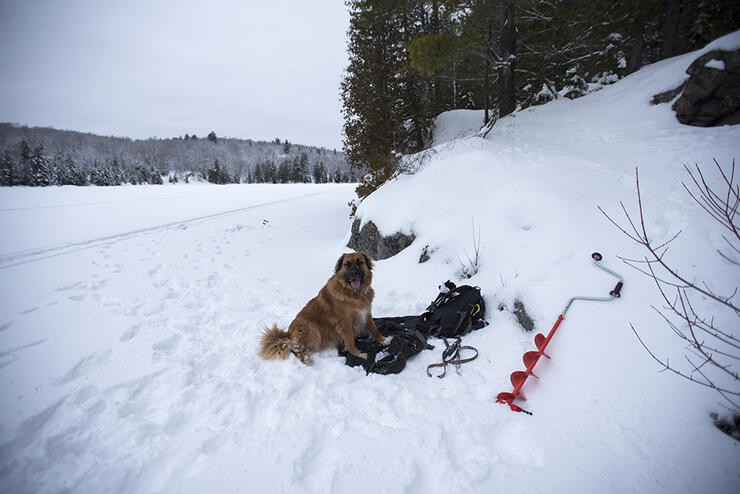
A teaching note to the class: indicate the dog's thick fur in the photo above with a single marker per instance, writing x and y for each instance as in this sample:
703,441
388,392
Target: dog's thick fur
337,314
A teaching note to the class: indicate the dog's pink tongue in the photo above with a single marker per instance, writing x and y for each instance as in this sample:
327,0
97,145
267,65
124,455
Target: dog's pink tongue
355,285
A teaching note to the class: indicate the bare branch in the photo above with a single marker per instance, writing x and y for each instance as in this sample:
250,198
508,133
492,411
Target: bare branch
711,352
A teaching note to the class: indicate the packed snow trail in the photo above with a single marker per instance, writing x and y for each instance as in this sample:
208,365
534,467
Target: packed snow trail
35,254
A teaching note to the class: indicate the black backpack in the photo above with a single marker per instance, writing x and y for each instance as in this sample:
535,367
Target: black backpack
456,311
389,359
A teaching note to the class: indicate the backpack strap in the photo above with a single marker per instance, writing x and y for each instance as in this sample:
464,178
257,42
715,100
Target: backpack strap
446,292
390,364
451,355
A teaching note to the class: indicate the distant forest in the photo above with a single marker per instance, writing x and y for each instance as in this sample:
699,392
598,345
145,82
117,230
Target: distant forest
44,156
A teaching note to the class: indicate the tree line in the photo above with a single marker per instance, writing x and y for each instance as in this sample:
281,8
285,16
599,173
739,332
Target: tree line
411,60
288,171
44,156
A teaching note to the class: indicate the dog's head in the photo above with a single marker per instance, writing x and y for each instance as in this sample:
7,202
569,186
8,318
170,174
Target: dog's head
354,270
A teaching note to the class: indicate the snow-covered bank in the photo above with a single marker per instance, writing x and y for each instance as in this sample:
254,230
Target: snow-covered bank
531,189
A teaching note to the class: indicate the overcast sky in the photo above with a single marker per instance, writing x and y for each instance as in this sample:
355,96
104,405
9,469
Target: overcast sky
248,69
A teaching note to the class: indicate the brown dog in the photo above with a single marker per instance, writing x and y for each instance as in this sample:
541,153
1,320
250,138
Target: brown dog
337,314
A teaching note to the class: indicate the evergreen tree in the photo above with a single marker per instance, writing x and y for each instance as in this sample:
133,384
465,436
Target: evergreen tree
259,176
41,169
217,174
212,137
155,177
72,172
270,172
284,172
7,170
286,147
319,173
137,175
370,90
507,98
106,173
24,166
303,169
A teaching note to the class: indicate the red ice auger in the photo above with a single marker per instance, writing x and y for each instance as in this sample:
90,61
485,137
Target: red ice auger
540,341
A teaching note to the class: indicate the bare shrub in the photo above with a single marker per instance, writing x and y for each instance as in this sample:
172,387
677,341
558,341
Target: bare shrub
472,264
712,344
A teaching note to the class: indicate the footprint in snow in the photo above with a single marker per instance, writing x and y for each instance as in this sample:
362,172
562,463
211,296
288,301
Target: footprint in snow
130,332
168,345
86,365
73,286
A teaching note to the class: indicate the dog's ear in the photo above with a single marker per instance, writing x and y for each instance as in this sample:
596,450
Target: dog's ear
340,261
368,261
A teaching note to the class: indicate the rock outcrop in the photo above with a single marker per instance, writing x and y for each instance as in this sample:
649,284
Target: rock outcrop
711,96
368,240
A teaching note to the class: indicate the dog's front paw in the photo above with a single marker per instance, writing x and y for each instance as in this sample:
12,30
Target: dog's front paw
387,340
363,356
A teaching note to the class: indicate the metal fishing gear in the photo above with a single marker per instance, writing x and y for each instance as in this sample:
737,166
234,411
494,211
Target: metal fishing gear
531,358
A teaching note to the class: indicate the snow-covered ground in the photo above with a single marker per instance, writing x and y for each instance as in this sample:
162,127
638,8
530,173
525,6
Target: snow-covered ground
130,319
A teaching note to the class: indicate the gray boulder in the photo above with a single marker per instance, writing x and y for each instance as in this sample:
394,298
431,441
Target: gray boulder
712,93
368,240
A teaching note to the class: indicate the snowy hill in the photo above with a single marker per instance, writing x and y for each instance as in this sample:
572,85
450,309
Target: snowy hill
128,348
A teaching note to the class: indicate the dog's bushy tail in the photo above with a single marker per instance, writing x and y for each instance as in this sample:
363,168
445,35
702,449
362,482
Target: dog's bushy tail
275,343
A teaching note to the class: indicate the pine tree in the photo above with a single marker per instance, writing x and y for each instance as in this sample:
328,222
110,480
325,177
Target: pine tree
24,165
284,172
507,98
303,173
41,172
319,173
102,174
259,177
7,170
217,174
269,173
212,137
155,177
370,90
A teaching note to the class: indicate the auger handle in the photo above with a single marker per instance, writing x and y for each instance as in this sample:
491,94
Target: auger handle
617,292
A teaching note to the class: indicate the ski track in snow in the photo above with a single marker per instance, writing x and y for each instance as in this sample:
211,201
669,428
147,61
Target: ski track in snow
31,255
